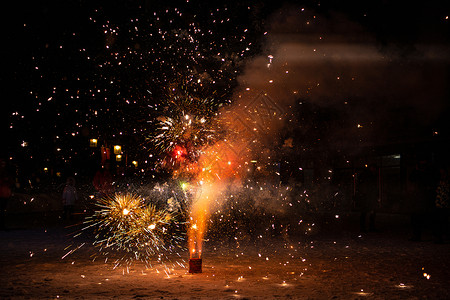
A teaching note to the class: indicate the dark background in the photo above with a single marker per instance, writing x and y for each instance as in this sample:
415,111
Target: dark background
56,96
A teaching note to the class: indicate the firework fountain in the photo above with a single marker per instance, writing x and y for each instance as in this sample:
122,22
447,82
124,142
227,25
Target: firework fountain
216,157
154,74
203,141
184,135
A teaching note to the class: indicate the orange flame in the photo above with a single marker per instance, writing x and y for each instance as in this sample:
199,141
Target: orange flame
197,228
213,168
218,165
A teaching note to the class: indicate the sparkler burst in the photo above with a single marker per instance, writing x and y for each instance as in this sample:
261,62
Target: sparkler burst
129,229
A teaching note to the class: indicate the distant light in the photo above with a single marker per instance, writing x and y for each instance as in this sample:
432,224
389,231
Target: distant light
117,149
93,143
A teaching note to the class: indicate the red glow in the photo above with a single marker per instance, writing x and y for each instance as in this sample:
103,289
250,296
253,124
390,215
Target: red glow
179,152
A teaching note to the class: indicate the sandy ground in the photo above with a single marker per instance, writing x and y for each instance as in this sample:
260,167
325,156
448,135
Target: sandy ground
336,265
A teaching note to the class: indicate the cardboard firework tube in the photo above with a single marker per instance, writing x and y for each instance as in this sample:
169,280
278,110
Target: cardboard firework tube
195,265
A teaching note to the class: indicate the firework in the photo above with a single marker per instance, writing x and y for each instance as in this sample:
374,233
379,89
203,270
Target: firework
188,124
128,229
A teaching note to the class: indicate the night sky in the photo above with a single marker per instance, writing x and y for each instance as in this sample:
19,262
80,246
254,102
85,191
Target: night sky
357,72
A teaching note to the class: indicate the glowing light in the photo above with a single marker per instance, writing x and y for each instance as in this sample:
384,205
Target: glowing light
184,186
362,293
117,149
403,286
284,284
93,143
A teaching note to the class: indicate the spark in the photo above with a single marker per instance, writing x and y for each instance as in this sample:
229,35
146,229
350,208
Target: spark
187,126
129,229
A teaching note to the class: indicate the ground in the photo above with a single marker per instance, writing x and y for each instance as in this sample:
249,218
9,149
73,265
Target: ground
332,264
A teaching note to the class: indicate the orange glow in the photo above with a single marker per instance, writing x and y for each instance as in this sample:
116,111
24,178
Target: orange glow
198,215
213,168
225,162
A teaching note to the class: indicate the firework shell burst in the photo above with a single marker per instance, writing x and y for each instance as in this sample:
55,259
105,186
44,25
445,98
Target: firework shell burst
189,122
128,229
